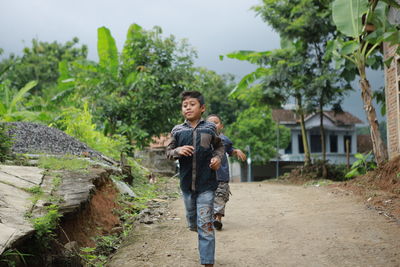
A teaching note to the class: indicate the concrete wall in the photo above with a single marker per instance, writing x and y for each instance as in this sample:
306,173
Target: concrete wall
156,161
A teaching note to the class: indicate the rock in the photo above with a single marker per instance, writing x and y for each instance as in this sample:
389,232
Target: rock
72,246
146,220
38,138
123,188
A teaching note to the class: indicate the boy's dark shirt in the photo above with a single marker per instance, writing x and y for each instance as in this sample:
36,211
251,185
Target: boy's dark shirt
223,171
195,173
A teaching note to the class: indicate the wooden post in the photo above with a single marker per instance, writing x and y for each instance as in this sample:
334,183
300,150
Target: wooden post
348,154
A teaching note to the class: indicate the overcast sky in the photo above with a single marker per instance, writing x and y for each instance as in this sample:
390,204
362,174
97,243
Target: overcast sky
213,27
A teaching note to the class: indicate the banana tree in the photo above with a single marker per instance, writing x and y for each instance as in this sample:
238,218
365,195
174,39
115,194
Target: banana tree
365,27
10,100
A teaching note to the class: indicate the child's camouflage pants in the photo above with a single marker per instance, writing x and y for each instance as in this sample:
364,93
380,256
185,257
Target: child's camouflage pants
221,197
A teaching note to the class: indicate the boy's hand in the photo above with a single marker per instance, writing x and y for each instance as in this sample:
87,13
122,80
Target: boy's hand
185,151
239,154
215,163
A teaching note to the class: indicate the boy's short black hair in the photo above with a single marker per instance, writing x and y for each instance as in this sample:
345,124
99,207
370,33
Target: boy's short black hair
214,115
193,94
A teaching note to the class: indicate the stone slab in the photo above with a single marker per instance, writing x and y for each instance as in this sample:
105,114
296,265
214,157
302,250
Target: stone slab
30,174
14,203
6,178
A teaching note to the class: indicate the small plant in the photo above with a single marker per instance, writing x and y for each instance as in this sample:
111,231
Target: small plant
36,190
105,245
45,225
56,182
362,165
6,143
10,256
90,257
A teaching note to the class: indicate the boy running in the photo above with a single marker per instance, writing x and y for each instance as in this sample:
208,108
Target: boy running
199,149
223,191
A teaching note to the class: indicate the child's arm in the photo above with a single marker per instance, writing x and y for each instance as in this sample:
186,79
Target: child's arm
174,152
234,151
239,154
218,153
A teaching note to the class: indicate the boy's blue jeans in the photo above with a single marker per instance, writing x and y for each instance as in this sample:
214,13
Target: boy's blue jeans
199,215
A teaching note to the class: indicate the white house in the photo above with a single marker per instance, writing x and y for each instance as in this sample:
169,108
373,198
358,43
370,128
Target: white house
339,127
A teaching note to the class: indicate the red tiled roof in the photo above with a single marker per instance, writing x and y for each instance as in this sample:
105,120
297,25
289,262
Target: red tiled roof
288,116
161,141
284,115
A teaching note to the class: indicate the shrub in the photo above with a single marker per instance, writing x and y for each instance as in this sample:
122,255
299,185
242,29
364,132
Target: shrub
78,123
362,165
5,143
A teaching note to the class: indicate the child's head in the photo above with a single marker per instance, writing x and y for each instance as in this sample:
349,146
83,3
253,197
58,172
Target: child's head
217,121
192,105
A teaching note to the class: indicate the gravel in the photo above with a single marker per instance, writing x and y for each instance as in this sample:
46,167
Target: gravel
35,138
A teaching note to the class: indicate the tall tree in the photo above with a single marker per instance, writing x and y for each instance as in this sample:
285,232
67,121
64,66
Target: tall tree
256,128
135,93
281,75
365,26
308,22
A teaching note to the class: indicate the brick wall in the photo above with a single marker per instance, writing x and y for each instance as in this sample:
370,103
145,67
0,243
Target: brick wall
392,98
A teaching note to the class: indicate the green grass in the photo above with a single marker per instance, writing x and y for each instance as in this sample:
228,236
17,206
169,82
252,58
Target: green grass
63,163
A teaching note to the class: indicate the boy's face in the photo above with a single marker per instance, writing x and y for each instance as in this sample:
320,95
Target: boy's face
191,109
217,123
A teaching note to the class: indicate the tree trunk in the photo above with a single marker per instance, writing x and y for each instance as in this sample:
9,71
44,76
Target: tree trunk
378,146
323,146
307,157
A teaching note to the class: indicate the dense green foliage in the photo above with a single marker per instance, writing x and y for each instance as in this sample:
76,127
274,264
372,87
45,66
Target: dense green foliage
40,62
11,108
301,70
215,89
122,100
256,128
79,124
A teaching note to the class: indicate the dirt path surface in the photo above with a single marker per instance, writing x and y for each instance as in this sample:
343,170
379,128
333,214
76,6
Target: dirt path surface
273,225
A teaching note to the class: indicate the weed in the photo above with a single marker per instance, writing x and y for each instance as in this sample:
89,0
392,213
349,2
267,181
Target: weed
12,256
105,245
36,190
45,225
362,165
89,255
56,182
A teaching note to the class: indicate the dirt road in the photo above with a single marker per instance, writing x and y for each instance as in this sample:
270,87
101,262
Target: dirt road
273,225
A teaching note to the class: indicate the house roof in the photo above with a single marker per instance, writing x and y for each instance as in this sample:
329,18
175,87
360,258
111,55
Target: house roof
161,141
289,117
